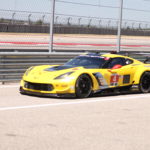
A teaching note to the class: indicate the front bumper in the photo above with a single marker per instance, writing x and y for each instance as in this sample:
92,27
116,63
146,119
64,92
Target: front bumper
53,89
67,95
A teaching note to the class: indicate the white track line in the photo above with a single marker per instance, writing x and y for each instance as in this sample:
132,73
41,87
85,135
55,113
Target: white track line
9,86
100,99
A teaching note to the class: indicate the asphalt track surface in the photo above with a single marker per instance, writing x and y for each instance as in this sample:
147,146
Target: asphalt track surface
118,122
73,42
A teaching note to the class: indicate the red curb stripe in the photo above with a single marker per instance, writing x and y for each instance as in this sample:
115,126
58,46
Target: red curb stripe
69,44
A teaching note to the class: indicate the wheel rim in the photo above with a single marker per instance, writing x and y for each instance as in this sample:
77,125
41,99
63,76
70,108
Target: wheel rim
83,88
146,83
84,85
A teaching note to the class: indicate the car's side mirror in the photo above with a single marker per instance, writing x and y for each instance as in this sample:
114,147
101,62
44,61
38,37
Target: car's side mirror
116,66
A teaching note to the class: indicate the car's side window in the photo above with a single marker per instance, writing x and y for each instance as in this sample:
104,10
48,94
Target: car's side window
128,61
117,61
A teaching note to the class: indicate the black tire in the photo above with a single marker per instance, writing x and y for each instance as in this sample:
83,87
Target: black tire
83,86
144,85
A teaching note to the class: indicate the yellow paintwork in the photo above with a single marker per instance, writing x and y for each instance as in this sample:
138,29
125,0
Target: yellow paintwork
67,85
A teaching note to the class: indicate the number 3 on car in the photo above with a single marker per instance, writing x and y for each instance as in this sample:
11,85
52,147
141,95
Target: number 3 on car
114,80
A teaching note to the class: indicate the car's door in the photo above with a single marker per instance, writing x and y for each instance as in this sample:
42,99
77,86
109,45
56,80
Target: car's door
121,71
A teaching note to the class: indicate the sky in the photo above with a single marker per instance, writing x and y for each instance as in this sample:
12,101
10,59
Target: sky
84,10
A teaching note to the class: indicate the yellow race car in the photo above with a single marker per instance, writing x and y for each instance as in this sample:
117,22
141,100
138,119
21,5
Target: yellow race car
87,74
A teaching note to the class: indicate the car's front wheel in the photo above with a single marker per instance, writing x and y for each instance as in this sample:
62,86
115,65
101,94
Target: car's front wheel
83,86
144,85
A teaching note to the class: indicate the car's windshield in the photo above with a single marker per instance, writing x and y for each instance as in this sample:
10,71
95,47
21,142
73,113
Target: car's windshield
87,62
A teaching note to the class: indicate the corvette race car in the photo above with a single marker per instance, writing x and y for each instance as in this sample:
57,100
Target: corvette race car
87,74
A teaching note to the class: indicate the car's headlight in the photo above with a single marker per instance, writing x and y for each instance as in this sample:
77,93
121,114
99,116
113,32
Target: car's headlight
28,70
63,76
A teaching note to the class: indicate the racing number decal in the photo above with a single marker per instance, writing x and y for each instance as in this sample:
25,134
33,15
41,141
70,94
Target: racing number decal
114,79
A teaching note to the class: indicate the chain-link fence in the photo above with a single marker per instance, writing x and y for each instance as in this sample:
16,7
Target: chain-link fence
42,18
77,30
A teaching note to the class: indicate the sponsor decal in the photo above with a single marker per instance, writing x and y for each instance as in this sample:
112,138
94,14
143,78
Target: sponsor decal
126,79
101,80
114,79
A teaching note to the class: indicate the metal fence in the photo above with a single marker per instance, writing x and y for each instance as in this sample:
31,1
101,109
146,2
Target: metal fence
65,29
75,25
12,65
43,18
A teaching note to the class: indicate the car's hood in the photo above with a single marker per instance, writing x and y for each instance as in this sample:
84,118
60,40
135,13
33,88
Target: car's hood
58,68
48,73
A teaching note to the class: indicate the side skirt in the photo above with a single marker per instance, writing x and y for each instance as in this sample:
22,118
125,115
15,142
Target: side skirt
117,90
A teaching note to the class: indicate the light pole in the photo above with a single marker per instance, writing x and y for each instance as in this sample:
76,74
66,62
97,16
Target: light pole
43,17
56,20
13,15
119,26
51,26
29,20
79,21
13,18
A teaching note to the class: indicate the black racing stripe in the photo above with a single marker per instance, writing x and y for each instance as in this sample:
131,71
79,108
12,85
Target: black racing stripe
57,68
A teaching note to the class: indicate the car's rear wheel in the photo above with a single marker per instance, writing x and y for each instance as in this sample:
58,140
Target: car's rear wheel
144,85
83,86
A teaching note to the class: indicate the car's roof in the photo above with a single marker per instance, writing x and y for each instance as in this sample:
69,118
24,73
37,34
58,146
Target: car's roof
104,55
110,55
113,55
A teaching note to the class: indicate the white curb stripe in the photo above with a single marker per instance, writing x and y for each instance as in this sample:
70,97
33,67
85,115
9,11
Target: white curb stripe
101,99
9,86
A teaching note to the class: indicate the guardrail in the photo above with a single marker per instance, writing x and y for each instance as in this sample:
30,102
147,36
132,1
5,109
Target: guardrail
14,64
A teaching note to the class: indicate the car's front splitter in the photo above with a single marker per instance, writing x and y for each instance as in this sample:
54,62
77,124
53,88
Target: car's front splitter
66,95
